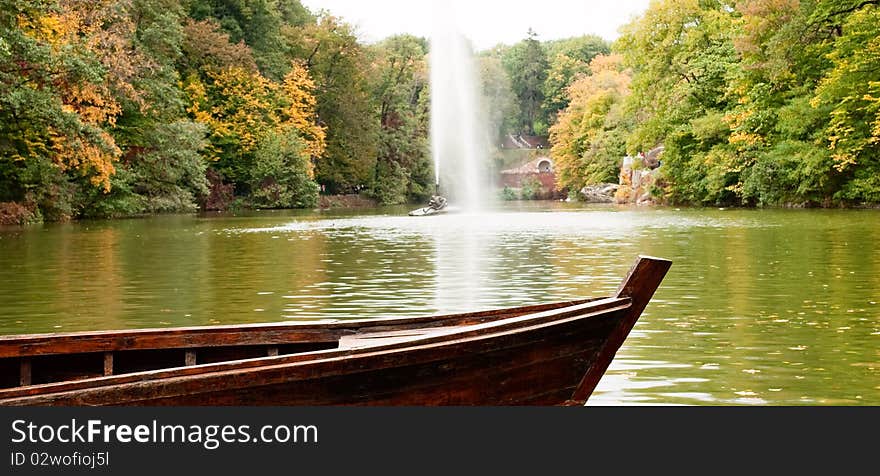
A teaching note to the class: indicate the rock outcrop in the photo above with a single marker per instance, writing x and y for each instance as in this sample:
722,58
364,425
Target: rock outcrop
599,193
638,177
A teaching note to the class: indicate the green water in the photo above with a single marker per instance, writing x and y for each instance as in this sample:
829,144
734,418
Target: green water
761,307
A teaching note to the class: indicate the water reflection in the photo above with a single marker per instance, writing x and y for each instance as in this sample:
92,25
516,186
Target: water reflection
459,255
760,307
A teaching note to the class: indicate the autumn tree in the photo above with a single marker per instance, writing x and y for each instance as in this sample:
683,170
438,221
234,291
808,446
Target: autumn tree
568,60
682,57
56,105
338,65
588,139
851,90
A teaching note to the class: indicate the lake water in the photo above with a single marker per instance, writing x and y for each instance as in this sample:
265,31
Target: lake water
761,307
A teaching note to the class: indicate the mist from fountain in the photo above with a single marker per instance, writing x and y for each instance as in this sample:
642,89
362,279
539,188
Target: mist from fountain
458,145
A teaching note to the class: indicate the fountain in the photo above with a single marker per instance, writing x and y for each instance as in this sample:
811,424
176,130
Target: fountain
458,145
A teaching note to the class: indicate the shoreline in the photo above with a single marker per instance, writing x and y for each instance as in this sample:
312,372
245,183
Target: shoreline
356,202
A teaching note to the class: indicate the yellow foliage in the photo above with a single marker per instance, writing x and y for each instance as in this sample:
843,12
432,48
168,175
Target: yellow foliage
244,107
577,126
300,91
92,151
93,158
94,104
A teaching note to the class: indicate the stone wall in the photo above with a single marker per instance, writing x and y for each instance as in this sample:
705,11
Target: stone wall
546,179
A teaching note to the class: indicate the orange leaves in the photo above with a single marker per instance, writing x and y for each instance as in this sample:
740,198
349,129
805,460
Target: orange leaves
91,154
99,34
93,103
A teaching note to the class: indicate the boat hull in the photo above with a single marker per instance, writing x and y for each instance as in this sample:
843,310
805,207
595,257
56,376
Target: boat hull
539,355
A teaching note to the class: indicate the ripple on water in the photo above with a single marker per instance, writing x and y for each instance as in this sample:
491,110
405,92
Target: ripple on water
782,293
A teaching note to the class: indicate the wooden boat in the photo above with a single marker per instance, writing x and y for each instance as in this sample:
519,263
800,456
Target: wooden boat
533,355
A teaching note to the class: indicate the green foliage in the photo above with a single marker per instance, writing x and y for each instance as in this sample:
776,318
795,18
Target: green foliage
773,102
508,194
529,188
278,177
569,59
526,65
170,173
111,108
403,170
339,66
851,89
390,186
789,172
258,23
499,106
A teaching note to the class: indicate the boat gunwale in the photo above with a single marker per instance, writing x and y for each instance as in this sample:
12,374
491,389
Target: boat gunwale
21,345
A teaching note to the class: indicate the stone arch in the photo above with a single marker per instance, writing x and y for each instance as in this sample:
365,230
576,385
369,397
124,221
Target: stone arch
545,165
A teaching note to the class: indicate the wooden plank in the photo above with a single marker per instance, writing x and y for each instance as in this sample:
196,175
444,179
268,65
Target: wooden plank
385,338
639,285
24,372
245,334
108,363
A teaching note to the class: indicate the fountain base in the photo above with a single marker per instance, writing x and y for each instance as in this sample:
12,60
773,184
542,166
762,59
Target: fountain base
436,205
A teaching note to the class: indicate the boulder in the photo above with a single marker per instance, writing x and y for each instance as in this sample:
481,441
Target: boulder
599,193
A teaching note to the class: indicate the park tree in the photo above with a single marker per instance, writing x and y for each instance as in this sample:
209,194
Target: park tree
526,65
56,104
682,57
403,168
258,23
568,59
588,140
499,106
851,90
249,115
338,65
